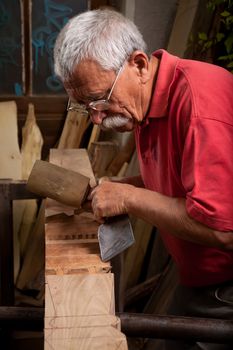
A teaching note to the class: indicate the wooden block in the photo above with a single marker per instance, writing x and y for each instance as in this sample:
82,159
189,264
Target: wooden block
94,135
75,125
73,258
82,321
32,142
101,155
11,166
34,259
122,157
28,221
10,157
79,298
64,227
70,249
94,338
61,265
79,295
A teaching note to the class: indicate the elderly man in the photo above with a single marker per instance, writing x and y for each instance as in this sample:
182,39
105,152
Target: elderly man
182,114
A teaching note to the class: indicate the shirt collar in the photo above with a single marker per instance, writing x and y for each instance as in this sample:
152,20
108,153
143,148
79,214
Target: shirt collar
165,77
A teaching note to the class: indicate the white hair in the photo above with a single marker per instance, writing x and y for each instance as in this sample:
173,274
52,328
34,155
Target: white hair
105,36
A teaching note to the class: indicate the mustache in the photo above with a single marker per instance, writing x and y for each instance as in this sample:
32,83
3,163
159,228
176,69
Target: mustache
114,121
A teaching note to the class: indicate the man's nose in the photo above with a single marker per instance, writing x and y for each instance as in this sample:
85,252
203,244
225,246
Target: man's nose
97,116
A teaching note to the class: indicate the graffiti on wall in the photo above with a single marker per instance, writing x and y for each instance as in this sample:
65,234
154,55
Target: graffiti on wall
48,18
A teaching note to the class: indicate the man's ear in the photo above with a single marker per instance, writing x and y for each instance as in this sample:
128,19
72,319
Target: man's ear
140,61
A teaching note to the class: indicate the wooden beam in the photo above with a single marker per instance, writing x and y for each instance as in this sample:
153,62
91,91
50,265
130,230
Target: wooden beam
79,302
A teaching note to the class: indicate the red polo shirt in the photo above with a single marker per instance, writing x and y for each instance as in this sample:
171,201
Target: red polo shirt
185,149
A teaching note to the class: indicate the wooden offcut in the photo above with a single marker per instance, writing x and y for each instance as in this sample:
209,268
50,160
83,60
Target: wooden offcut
32,142
79,298
10,157
122,158
33,263
101,154
76,124
11,166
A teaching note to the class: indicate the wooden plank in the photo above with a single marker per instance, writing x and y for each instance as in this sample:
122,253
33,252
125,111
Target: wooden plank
11,166
27,224
101,154
123,170
94,338
76,124
10,157
80,295
32,142
69,249
34,259
80,265
94,135
122,157
82,321
73,258
50,115
64,227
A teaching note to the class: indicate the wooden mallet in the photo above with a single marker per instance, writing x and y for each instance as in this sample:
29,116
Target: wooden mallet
71,188
65,186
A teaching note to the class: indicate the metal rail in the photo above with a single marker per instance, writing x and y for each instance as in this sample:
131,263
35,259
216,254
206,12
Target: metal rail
175,327
135,325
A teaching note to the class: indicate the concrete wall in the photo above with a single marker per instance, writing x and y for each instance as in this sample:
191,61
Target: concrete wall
154,18
182,26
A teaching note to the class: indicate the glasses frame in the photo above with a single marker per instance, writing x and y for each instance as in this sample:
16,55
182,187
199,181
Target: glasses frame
103,104
76,107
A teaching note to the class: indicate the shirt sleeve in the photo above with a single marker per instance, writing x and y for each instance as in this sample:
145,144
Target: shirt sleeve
207,173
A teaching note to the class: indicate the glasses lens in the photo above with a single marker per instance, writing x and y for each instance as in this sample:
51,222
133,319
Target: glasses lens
101,105
73,106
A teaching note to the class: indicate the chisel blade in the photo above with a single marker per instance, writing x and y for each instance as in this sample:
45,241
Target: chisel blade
115,235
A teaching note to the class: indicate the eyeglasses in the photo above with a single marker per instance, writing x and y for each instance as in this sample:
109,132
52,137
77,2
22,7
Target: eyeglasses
98,105
76,107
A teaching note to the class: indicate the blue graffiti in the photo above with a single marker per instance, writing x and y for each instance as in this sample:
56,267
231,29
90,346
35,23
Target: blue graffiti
43,38
18,89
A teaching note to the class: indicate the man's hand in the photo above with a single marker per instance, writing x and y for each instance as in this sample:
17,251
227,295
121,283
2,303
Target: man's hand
110,199
168,214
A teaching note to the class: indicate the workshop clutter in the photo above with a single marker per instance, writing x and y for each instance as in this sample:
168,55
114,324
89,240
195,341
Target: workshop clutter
146,268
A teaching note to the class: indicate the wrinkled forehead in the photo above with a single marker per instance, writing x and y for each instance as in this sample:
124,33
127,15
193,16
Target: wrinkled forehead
88,75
